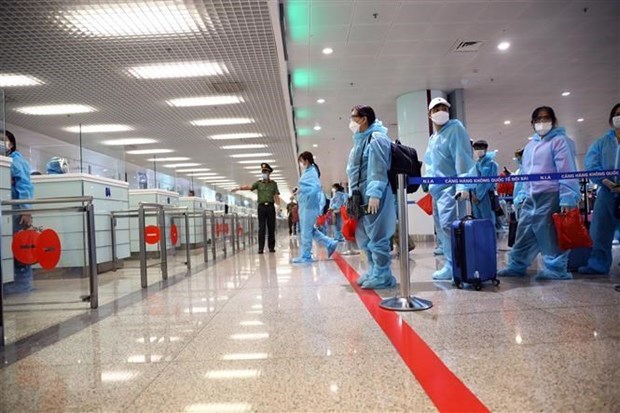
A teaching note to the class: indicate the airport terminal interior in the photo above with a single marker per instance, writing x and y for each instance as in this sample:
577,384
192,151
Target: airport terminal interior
136,122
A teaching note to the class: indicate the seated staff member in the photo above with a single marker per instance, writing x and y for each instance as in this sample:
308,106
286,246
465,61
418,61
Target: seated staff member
268,195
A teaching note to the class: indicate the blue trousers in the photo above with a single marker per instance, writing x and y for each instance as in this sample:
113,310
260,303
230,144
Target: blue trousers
602,230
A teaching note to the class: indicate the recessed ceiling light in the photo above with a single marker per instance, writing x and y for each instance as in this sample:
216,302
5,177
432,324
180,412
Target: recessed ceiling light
12,80
503,46
146,18
204,101
320,101
128,141
213,178
580,120
222,121
228,136
98,128
328,50
257,164
249,146
177,70
565,93
315,146
250,155
148,151
317,127
169,159
180,165
54,109
506,122
194,170
201,173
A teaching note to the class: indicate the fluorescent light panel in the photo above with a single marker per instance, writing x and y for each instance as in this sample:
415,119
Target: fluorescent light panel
221,121
177,70
250,155
228,136
55,109
148,151
99,128
204,101
194,170
254,162
128,141
180,165
249,146
169,159
200,173
13,80
146,18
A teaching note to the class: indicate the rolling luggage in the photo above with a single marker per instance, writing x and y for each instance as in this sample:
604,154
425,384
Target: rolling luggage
474,251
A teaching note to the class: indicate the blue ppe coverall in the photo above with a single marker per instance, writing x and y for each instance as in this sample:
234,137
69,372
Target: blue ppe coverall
602,155
518,194
338,199
367,170
554,152
21,188
311,201
449,154
484,167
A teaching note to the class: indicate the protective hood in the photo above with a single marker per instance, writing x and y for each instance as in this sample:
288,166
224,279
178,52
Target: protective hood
377,126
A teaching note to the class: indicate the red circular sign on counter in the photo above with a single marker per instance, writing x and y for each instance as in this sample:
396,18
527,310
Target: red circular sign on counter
174,234
49,249
151,234
24,246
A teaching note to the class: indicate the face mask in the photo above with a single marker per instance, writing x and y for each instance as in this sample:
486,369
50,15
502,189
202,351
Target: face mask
543,128
302,165
479,153
333,191
440,118
354,126
265,176
517,161
616,121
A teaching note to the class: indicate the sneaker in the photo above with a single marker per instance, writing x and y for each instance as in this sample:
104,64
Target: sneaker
444,274
260,251
438,251
273,250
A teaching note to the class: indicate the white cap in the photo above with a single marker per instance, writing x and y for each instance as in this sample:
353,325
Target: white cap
438,101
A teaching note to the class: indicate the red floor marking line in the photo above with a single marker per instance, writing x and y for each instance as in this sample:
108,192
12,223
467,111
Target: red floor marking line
446,391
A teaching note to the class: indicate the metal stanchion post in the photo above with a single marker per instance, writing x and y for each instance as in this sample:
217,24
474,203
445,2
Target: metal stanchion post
213,235
233,235
187,251
236,219
113,240
350,250
404,301
162,243
205,249
92,256
1,298
142,242
223,232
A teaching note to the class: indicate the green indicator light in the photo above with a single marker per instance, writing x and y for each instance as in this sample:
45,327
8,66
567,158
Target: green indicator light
298,21
302,113
303,131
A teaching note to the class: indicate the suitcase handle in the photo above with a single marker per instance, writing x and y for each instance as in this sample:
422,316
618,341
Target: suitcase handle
468,214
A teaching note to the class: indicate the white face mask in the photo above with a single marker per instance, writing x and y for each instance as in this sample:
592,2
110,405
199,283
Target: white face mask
479,153
440,118
302,166
265,176
333,191
616,121
354,126
543,128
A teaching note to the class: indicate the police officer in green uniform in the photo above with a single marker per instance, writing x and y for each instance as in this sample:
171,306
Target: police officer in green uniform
268,195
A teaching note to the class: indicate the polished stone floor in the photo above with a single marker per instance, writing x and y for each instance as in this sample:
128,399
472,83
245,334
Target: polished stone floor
253,333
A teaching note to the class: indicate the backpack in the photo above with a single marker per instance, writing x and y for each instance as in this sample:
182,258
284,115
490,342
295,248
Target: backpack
404,161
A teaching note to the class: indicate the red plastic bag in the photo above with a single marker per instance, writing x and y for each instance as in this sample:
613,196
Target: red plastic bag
349,225
321,220
505,188
426,203
571,231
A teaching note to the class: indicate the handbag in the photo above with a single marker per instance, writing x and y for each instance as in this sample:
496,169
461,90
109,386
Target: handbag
354,208
570,230
349,224
426,203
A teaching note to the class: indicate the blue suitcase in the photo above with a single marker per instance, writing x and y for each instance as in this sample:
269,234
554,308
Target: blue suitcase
474,252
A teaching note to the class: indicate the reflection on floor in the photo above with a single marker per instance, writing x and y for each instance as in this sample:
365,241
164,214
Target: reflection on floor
253,333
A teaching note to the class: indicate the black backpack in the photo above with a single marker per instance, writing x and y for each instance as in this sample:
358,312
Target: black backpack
404,161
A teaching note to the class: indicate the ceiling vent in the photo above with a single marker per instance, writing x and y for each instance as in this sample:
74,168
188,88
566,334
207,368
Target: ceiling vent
228,87
463,46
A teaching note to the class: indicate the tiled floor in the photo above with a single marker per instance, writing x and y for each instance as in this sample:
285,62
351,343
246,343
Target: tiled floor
253,333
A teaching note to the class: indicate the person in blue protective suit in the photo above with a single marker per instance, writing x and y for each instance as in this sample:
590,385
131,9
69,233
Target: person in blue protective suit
485,166
339,198
367,170
604,154
448,154
21,188
549,151
57,166
311,200
518,195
